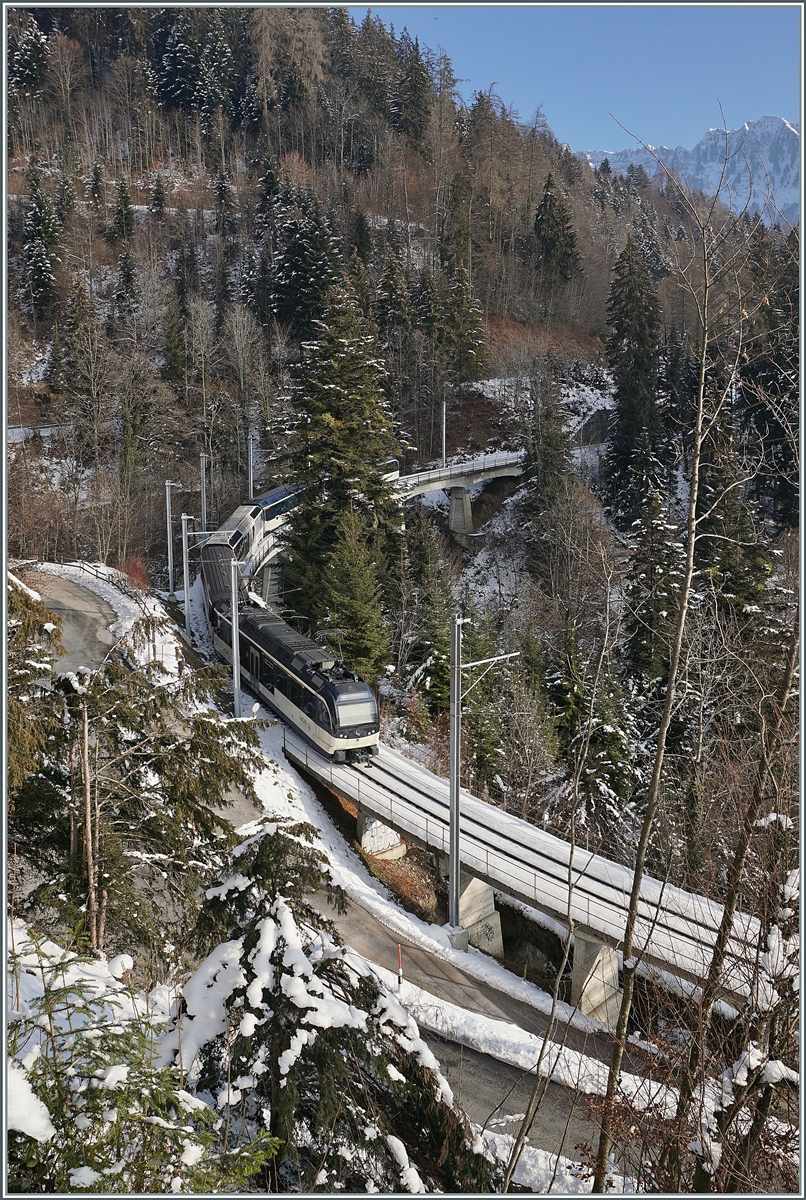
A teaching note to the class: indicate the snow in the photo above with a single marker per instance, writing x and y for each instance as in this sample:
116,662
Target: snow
26,1112
29,592
81,1177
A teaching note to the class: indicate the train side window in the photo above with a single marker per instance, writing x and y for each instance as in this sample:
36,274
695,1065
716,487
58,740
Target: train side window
294,693
322,715
266,671
281,683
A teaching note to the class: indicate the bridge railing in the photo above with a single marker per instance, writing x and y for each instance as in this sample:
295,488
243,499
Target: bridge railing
486,462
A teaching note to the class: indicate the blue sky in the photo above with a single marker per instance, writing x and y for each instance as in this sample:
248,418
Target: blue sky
660,69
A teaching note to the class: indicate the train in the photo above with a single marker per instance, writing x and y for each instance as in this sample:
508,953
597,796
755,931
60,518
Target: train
333,708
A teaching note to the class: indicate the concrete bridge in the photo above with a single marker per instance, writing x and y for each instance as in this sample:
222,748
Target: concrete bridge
456,480
676,930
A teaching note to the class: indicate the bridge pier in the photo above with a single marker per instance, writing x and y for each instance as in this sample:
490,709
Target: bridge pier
594,981
460,518
378,839
477,913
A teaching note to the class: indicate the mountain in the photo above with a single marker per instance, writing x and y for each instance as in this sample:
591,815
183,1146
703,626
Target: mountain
769,145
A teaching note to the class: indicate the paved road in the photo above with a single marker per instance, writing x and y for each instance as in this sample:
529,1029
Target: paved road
85,618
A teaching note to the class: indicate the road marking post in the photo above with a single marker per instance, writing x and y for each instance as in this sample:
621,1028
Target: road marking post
399,967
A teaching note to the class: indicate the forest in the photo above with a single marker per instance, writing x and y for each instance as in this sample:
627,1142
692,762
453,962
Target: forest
280,224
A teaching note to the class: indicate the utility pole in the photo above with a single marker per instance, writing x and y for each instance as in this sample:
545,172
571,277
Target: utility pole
444,407
236,650
168,486
250,461
186,571
203,462
456,752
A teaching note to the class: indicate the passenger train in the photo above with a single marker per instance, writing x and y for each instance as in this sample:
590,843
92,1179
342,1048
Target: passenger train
332,707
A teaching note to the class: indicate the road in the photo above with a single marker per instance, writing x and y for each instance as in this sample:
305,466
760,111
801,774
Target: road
86,619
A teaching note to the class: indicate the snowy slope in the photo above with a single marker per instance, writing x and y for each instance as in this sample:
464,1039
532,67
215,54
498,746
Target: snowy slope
769,146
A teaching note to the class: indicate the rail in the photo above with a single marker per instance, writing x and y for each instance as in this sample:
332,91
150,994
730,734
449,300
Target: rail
677,929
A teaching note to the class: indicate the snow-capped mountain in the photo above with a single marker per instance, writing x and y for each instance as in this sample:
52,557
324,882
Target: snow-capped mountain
769,147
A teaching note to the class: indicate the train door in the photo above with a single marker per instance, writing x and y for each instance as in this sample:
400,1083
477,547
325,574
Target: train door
254,663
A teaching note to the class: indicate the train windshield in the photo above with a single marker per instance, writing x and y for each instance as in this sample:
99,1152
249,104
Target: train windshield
357,710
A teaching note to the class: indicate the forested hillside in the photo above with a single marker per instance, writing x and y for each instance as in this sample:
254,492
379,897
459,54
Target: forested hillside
279,222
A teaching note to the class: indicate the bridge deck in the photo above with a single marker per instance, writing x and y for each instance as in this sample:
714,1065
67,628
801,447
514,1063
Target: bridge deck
676,929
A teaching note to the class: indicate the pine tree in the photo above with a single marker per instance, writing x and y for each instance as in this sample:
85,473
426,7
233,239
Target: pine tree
632,352
353,598
122,225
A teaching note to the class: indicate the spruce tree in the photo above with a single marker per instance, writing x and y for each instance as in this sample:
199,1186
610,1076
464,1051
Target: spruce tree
632,352
65,200
555,239
339,445
548,453
411,106
122,225
157,205
125,283
653,590
28,60
41,277
320,1045
41,223
95,185
353,597
306,265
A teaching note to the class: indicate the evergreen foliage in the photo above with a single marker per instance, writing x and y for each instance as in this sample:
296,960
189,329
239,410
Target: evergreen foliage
353,595
157,205
326,1056
339,445
122,225
118,1123
555,239
632,352
653,593
65,199
306,264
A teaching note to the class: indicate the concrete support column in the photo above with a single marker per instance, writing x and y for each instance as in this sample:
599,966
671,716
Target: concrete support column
460,519
378,839
594,983
478,916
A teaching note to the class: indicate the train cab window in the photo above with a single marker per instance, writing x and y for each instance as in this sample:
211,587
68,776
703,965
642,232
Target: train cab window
356,710
295,693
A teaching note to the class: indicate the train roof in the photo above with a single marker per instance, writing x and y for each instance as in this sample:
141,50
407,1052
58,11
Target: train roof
289,647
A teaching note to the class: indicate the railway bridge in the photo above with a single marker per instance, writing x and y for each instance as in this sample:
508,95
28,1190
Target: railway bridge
676,930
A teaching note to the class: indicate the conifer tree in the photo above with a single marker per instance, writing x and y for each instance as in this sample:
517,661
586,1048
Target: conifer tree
353,598
632,352
157,205
122,225
320,1045
411,106
28,60
653,592
339,445
41,277
41,223
548,455
95,185
125,283
306,265
65,200
555,239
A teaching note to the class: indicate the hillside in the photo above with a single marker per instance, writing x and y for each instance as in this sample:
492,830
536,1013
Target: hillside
279,234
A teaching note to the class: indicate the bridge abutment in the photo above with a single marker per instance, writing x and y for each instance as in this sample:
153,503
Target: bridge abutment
594,981
378,839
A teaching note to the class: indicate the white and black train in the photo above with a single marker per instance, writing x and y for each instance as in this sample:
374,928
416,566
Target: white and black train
332,707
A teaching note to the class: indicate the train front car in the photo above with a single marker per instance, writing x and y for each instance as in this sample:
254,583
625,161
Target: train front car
333,709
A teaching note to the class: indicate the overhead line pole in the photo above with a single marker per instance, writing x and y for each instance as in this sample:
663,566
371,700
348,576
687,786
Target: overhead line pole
236,650
454,866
